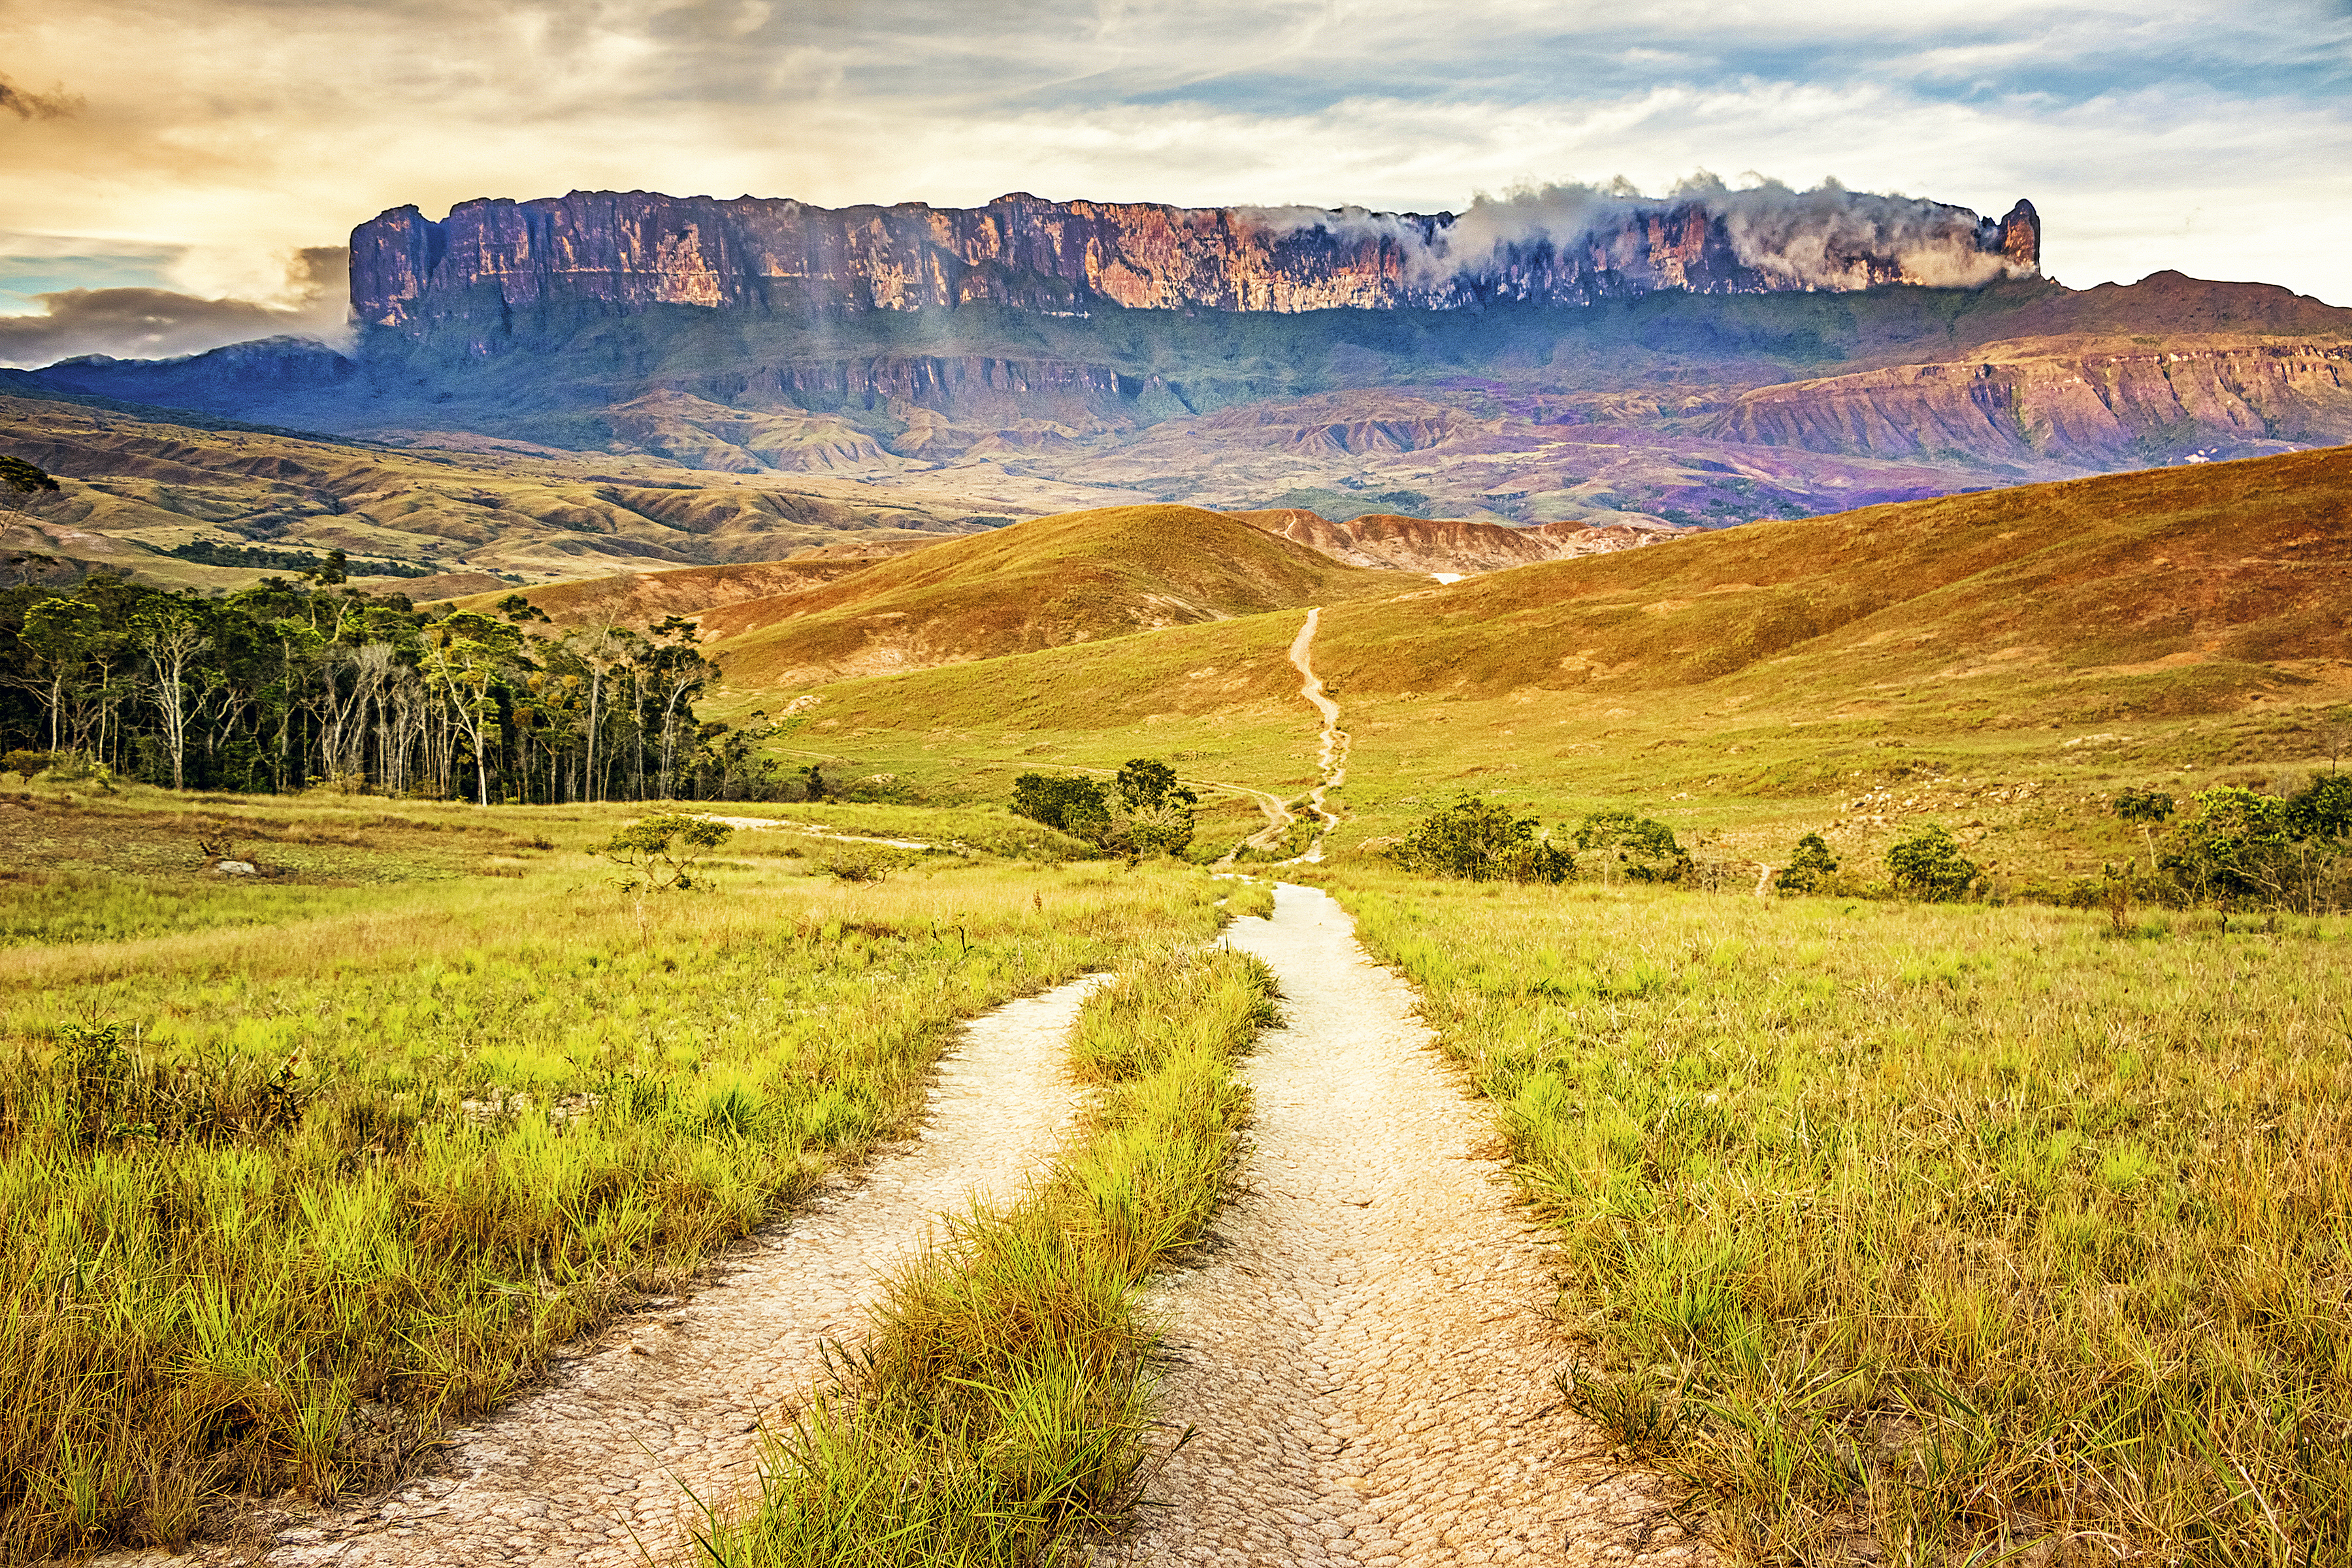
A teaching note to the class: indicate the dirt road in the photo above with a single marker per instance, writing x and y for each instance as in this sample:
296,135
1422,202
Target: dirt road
1368,1356
601,1456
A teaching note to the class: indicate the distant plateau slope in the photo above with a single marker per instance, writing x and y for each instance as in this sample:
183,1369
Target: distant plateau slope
1668,406
2181,590
137,489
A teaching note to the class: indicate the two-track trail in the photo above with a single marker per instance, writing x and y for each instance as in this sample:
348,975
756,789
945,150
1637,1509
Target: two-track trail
603,1456
1366,1356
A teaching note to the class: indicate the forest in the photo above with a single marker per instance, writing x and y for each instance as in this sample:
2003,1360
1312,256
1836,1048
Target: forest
290,684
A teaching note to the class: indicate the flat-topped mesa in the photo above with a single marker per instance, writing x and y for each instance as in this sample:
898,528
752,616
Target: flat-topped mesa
629,251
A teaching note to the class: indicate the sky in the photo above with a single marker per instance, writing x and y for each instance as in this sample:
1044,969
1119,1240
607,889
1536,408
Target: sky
176,174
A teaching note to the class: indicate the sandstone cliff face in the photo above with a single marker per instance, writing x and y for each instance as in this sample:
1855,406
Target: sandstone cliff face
633,250
2086,408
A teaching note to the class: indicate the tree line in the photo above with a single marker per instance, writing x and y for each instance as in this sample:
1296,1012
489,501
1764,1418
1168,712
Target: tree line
289,684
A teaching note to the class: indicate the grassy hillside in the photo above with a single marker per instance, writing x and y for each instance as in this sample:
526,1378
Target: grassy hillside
2219,578
1997,662
638,599
1056,581
2220,564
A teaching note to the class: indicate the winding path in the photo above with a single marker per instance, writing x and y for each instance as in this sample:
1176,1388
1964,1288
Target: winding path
1367,1357
602,1456
1331,763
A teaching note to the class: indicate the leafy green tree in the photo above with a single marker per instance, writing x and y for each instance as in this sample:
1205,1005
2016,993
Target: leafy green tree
1810,865
1154,812
1068,802
1643,848
2324,809
173,640
2241,845
61,636
1928,865
1479,840
2230,846
666,850
464,663
2146,807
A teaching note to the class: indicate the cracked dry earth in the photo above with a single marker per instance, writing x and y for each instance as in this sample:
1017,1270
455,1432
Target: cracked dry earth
600,1459
1366,1356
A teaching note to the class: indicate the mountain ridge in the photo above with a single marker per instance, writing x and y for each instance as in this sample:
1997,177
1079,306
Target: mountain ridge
627,250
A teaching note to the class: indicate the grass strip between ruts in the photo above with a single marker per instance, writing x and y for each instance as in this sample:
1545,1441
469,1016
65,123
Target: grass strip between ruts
1000,1405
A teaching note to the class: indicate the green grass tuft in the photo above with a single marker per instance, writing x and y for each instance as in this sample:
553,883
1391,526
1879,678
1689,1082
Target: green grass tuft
1001,1408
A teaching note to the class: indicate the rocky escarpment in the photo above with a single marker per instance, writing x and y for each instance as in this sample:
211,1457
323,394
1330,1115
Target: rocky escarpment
635,250
2087,403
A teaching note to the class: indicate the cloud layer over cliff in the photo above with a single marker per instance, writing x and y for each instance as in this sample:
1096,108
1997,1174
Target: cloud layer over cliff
232,132
1821,238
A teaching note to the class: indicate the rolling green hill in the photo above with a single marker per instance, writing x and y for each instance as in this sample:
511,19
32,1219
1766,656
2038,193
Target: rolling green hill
2195,586
2174,628
1080,578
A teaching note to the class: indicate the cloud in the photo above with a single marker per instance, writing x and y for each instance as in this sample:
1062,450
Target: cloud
158,323
26,105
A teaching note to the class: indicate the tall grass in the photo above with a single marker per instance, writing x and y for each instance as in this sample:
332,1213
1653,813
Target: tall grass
279,1200
999,1408
1928,1231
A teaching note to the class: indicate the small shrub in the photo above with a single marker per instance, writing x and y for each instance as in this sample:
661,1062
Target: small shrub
1144,811
1811,867
1480,840
1154,811
24,764
1643,848
664,851
1928,866
1067,803
2241,846
860,865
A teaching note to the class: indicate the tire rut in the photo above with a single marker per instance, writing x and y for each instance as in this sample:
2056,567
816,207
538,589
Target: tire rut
1367,1357
611,1451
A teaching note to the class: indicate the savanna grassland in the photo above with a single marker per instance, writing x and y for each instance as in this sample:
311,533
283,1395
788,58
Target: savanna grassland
2002,663
303,1165
1924,1232
1921,1233
1914,1232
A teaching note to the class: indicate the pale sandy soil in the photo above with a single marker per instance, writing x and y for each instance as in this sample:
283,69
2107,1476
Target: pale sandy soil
1366,1356
603,1456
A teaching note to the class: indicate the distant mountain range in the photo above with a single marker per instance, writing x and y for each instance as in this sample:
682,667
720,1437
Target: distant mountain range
1606,359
